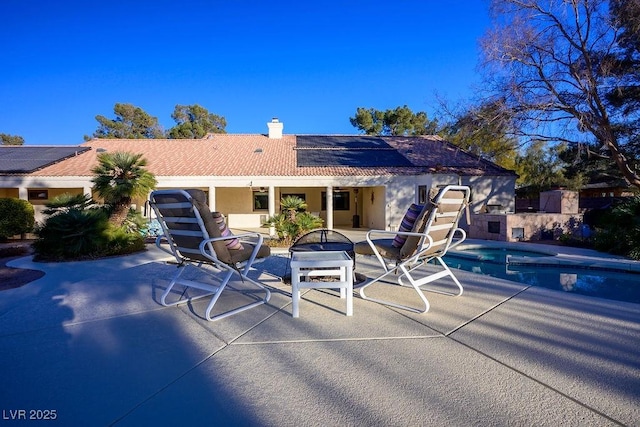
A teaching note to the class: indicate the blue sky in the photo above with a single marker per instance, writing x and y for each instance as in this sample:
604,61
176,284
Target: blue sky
311,64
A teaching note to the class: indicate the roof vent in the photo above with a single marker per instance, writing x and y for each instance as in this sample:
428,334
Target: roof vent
275,128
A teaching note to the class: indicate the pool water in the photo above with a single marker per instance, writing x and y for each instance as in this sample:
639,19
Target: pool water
498,255
598,283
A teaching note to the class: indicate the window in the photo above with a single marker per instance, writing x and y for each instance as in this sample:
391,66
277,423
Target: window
517,233
494,227
260,201
340,200
38,194
422,194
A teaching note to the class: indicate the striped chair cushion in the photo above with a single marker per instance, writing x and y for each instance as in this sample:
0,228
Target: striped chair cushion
407,224
225,232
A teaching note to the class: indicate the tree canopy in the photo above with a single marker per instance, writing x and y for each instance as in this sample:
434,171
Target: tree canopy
557,68
118,178
484,130
399,121
131,122
6,139
194,121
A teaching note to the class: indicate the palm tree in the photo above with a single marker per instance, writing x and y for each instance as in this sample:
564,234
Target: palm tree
293,221
293,205
119,177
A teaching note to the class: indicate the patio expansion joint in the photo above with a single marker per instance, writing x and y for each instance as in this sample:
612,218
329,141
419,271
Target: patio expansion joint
195,366
537,381
167,385
323,340
488,310
449,335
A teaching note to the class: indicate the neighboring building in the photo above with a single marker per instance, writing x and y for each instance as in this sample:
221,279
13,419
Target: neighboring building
593,195
357,180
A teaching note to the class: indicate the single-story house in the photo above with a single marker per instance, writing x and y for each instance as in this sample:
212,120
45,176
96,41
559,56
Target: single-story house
349,180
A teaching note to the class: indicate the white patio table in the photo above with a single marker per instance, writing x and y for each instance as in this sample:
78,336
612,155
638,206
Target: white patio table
306,266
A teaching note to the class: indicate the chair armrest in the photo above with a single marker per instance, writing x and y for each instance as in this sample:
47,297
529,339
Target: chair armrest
455,242
250,237
159,245
244,237
380,232
235,236
392,233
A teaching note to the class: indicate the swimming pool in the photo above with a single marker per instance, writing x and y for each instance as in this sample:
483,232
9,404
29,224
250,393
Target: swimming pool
545,269
499,255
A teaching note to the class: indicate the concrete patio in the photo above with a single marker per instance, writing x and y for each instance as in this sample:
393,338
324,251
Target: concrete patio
90,342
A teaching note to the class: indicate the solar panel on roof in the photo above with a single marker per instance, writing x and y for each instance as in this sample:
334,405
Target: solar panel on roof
353,151
24,159
356,141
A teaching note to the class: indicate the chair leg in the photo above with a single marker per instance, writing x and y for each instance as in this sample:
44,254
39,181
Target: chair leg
416,284
390,303
217,294
215,290
174,281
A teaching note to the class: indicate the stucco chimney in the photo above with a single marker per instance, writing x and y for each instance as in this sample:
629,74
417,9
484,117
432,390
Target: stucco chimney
275,128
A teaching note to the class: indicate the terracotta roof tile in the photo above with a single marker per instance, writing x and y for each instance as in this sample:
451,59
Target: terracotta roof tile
257,155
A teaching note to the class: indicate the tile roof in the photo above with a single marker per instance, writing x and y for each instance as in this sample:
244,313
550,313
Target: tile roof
257,155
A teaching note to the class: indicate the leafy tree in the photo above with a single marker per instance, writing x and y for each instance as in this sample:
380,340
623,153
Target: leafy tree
485,131
6,139
585,161
16,217
540,168
194,121
555,64
119,177
399,121
131,122
618,231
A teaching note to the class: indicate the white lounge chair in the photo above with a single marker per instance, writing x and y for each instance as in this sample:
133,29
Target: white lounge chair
200,238
426,234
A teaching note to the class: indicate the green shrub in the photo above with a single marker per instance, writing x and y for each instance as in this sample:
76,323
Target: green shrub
618,231
122,242
16,217
66,202
73,234
135,222
288,229
77,229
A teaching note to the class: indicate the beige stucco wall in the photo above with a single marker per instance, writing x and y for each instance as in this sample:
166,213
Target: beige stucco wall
382,200
8,193
533,226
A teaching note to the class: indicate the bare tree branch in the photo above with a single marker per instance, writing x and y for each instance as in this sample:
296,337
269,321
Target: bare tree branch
553,62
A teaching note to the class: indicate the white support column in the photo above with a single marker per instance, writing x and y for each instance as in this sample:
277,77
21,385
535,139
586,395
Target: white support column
272,208
330,207
23,193
86,190
212,199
